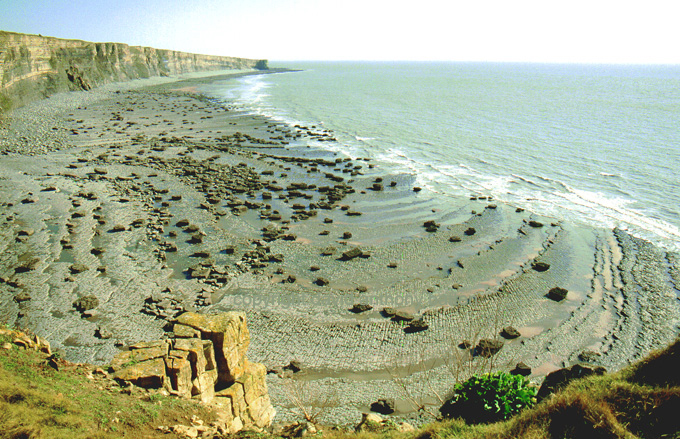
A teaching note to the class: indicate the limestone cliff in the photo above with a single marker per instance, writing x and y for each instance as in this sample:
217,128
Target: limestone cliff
33,67
204,359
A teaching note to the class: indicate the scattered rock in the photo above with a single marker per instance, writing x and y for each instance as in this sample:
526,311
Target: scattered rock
557,294
521,369
470,231
119,228
384,406
328,251
540,266
487,348
86,303
22,297
401,316
294,366
78,268
321,281
352,253
360,307
465,344
28,265
510,333
416,325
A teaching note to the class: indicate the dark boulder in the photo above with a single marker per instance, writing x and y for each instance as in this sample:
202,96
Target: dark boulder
321,281
351,253
540,266
521,369
510,333
86,303
416,325
384,406
557,294
360,307
487,348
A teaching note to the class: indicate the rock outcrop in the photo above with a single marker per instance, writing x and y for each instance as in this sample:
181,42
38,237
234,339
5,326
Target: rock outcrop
33,67
205,360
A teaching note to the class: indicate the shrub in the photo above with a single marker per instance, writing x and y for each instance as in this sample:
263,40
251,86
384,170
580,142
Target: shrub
489,398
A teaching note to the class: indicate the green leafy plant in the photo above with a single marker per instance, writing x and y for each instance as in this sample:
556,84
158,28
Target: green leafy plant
489,398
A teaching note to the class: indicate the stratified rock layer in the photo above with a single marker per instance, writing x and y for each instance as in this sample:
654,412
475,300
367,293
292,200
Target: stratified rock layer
33,67
205,361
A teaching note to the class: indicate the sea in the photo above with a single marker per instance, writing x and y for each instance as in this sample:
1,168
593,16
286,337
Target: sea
597,145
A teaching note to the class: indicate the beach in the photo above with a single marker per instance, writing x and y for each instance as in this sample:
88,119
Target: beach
150,199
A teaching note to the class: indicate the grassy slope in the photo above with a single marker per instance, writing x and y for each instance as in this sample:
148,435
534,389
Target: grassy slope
37,401
642,401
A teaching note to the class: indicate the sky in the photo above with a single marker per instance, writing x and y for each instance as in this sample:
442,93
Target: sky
574,31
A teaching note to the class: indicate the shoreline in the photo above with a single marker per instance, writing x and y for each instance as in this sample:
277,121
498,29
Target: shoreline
146,158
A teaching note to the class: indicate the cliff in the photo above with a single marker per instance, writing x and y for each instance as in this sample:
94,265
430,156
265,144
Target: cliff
204,359
33,67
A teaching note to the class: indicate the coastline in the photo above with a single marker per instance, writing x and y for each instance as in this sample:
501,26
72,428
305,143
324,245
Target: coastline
144,158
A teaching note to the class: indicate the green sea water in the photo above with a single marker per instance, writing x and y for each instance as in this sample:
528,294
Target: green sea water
594,144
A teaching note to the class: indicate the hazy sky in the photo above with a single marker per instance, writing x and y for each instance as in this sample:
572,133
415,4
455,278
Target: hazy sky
606,31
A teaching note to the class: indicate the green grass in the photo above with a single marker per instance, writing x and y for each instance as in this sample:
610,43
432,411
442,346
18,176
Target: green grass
37,401
641,401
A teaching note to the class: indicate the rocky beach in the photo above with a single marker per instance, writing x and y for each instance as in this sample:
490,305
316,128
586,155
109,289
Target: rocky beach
128,204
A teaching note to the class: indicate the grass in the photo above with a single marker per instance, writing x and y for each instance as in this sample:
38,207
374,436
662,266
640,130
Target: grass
37,401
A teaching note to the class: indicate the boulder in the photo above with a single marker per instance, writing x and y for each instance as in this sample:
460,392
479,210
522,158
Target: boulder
28,265
360,307
86,303
416,325
521,369
402,316
470,231
557,294
540,266
321,281
384,406
509,332
487,347
78,268
22,297
352,253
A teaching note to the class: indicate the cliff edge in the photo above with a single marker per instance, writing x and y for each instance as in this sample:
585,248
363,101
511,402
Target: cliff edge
34,67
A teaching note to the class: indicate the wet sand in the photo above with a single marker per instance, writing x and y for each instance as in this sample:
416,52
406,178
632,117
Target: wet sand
156,199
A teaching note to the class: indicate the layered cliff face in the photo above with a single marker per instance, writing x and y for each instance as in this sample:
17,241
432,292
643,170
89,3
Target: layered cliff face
205,359
33,67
